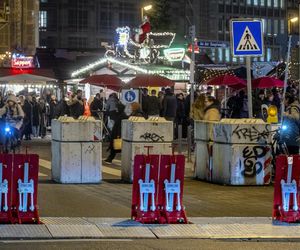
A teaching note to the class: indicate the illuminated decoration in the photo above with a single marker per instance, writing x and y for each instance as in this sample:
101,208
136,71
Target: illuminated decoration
154,36
123,33
182,75
22,62
196,48
174,54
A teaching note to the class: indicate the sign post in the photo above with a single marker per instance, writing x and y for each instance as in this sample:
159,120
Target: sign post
247,41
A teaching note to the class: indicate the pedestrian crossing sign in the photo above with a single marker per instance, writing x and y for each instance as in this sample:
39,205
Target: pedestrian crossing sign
247,37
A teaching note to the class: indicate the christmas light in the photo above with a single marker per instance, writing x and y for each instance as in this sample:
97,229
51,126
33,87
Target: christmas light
174,54
123,33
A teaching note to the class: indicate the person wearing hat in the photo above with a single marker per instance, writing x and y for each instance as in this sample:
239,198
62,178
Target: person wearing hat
12,114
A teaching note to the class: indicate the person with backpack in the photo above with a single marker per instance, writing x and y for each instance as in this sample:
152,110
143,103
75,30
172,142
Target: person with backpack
290,134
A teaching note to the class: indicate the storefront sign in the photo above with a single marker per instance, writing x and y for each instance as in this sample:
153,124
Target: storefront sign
22,62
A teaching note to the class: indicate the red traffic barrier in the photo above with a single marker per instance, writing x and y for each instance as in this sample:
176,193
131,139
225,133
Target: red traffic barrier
18,188
144,190
25,187
5,188
170,189
286,199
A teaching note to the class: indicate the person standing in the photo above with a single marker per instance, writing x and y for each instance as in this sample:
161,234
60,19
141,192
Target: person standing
198,107
76,105
111,109
53,105
28,117
96,106
290,134
145,101
35,117
116,132
212,109
153,104
170,105
180,116
43,118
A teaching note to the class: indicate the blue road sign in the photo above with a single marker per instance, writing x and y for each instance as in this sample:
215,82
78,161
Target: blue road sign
247,37
130,96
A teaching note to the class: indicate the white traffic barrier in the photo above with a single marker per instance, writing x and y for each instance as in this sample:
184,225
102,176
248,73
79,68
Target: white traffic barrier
26,187
3,190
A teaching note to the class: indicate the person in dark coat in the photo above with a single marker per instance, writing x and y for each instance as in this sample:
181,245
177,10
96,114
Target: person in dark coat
145,101
27,123
170,105
116,132
137,111
257,104
180,115
76,105
62,109
35,117
96,106
153,104
53,104
43,118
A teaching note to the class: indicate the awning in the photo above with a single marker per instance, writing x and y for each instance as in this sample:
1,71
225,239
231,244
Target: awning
26,78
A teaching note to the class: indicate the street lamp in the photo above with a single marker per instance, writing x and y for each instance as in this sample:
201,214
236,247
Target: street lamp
290,21
145,8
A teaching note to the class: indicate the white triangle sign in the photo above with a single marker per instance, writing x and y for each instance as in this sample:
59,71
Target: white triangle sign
247,42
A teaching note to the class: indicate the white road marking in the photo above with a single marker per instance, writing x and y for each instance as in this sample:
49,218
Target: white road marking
61,240
45,164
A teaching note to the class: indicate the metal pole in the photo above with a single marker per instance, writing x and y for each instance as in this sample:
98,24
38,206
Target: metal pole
286,75
249,88
192,65
225,102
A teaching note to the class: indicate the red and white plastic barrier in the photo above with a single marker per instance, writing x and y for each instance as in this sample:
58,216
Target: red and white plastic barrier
286,199
158,189
18,188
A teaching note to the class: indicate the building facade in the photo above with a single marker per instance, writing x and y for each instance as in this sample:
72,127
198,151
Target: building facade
19,26
78,24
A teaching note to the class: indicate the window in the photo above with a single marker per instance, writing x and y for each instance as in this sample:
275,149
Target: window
104,20
248,2
269,54
269,27
126,19
43,19
262,2
220,54
78,19
255,2
227,55
264,23
282,28
269,3
282,4
275,27
275,3
220,24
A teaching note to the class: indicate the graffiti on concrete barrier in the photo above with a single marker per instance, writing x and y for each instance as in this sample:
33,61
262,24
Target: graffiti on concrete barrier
220,131
90,149
251,133
252,160
152,137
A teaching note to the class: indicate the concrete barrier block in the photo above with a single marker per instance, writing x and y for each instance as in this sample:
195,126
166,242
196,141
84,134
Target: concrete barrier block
204,160
129,150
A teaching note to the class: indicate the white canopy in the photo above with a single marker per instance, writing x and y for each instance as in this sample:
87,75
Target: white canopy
26,78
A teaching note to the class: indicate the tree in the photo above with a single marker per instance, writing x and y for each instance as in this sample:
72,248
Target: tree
160,17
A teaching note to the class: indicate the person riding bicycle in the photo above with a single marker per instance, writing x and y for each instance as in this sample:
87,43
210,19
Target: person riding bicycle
12,115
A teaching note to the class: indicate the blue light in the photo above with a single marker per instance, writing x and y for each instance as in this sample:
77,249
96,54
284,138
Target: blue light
7,129
284,127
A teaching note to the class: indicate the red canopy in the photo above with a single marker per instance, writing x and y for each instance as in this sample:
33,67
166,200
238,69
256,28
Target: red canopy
267,82
145,80
227,80
105,80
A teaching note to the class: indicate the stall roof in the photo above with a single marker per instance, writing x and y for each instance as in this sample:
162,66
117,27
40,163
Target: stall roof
26,78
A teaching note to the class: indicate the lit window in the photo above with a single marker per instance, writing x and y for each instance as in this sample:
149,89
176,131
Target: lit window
43,19
269,54
242,59
282,4
262,2
220,54
269,3
248,2
255,2
227,55
234,59
276,3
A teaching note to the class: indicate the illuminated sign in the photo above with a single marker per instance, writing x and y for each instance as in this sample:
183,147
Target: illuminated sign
174,54
22,62
123,33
